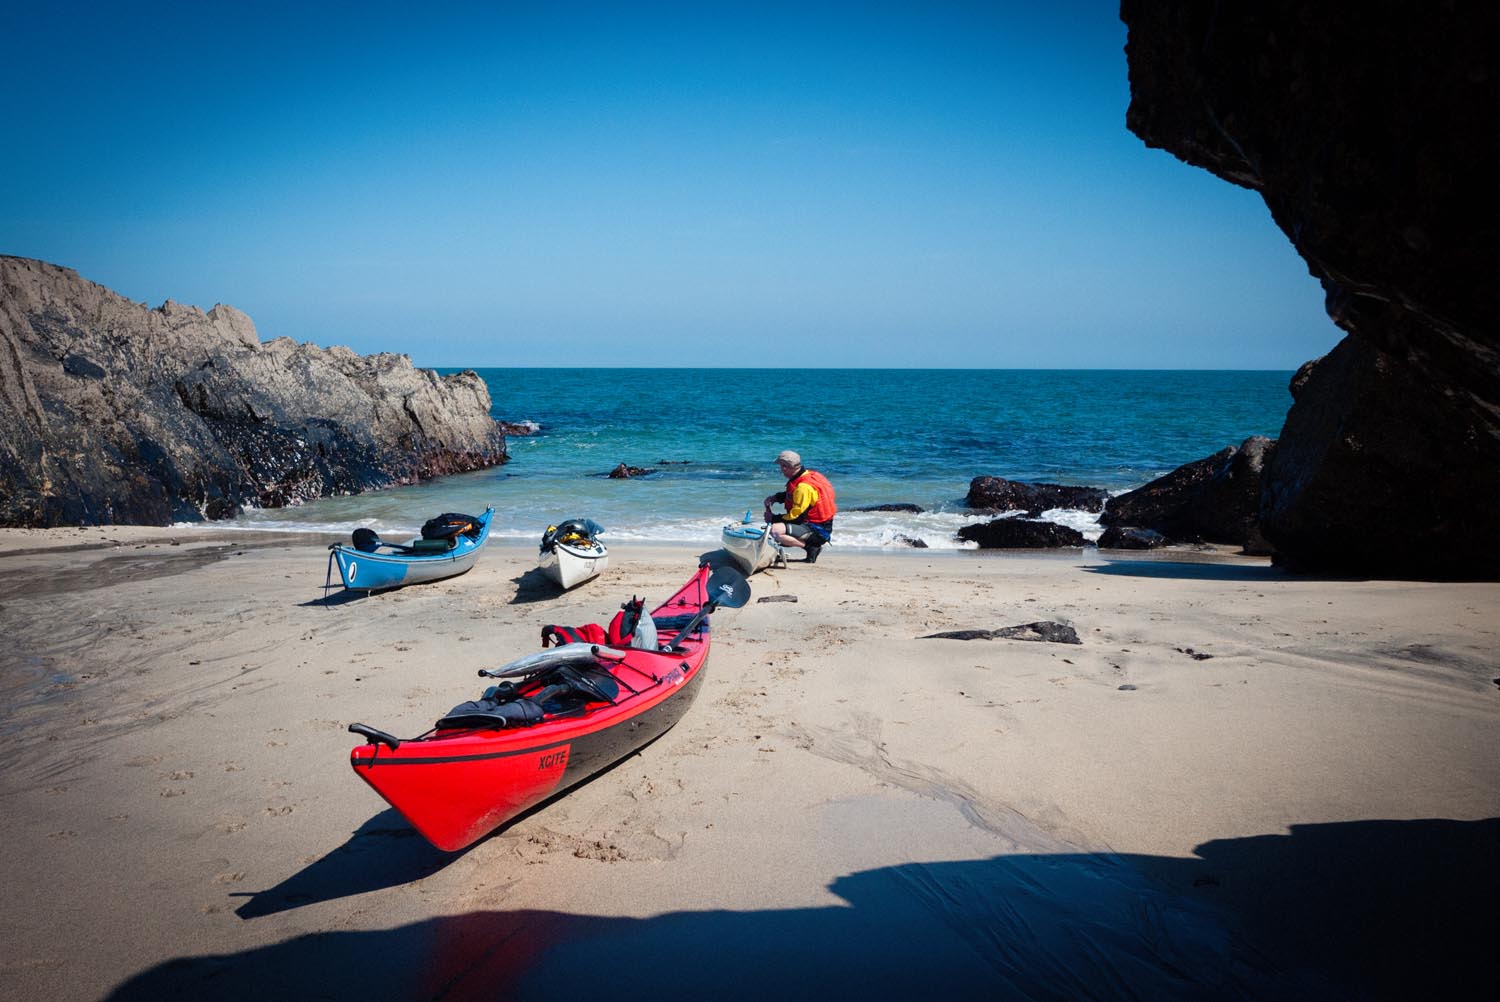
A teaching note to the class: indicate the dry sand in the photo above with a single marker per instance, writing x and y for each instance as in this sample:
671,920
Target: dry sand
1239,784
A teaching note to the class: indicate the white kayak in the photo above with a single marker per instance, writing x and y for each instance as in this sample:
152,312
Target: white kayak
571,554
752,547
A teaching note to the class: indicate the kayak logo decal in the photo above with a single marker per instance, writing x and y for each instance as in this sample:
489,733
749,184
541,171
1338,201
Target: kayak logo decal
553,760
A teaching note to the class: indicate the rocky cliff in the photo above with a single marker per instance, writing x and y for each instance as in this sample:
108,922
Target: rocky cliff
1369,132
116,413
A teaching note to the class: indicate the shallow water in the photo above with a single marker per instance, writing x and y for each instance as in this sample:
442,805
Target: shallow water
881,436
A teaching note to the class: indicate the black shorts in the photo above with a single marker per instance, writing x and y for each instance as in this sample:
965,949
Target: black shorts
806,533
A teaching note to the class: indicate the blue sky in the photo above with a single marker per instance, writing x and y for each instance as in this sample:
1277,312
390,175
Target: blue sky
907,185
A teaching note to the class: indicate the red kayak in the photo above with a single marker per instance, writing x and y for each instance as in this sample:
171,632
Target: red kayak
558,717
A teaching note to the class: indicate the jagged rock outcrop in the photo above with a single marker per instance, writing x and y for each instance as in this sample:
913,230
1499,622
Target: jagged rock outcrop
1369,132
115,413
999,494
1214,500
1020,534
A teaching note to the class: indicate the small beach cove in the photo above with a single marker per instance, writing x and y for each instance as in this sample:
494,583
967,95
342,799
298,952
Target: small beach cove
1240,759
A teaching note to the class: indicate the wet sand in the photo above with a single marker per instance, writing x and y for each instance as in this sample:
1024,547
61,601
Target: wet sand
1239,783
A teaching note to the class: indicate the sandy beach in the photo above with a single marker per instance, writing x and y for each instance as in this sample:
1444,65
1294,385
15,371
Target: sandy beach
1240,783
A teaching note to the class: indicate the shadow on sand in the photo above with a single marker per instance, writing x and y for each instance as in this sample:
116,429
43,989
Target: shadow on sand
384,852
342,596
534,586
1371,909
716,559
1211,570
1192,570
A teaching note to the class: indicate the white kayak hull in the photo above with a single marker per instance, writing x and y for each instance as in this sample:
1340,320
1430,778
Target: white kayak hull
751,547
567,565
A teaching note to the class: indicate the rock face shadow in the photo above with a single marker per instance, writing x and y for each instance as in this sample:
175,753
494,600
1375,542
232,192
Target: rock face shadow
1189,570
1360,910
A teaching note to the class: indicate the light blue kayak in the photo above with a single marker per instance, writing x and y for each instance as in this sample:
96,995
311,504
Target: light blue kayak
371,564
752,546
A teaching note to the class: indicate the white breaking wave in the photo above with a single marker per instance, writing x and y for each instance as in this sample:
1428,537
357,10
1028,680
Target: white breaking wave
873,530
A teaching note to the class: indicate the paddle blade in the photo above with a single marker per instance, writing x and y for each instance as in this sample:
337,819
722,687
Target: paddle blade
544,660
727,588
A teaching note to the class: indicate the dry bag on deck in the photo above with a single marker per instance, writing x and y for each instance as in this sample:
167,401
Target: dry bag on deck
631,627
578,532
449,525
557,636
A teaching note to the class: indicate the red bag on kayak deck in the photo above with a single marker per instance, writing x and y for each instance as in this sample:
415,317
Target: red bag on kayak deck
556,636
622,628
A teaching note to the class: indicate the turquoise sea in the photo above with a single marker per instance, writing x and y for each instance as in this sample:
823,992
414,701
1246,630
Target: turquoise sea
881,436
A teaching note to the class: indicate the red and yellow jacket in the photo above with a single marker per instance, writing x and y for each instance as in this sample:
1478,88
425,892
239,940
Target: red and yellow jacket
809,498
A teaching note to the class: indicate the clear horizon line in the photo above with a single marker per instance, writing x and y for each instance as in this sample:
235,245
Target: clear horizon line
865,368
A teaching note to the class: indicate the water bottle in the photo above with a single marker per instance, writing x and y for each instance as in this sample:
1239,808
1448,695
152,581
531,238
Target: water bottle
747,516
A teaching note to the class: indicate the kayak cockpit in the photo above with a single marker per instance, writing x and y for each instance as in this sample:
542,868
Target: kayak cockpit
563,691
